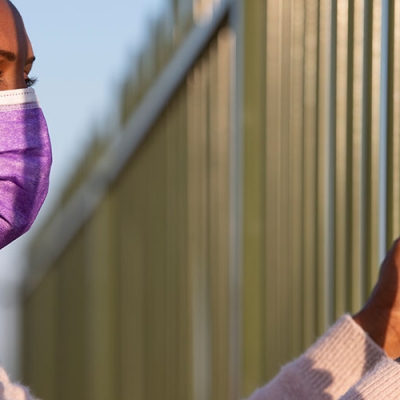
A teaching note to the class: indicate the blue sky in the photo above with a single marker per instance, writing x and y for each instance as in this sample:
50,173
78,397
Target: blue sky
83,49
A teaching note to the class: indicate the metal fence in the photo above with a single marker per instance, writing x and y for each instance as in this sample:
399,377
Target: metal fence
244,206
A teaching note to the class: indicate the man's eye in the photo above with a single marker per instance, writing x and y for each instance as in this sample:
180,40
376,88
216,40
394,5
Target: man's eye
29,81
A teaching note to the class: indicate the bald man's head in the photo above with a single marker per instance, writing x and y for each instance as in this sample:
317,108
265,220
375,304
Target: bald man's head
16,54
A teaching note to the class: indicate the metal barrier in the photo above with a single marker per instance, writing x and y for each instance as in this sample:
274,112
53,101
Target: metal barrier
244,207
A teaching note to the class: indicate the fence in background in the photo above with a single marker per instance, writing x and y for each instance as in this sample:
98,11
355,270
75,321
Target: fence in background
243,206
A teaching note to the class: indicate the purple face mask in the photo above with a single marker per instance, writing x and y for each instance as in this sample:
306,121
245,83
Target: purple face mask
25,160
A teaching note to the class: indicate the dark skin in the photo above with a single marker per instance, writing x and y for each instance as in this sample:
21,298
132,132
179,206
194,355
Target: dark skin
16,53
380,317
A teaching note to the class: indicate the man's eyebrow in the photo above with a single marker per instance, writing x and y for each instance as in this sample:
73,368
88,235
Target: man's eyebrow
8,55
13,57
30,61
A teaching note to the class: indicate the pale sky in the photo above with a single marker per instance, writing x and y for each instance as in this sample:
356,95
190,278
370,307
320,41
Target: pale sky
83,49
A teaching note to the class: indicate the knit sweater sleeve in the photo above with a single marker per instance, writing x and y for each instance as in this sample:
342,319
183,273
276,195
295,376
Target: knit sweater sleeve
13,391
382,382
333,365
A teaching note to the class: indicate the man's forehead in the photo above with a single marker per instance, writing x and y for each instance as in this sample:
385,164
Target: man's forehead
13,37
10,20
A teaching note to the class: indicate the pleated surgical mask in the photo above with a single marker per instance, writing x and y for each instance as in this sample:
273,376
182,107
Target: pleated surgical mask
25,161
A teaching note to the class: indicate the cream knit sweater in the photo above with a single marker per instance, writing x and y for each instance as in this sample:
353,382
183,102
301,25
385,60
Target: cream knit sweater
12,391
343,364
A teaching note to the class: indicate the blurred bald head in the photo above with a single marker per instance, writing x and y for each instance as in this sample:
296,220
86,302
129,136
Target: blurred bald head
16,54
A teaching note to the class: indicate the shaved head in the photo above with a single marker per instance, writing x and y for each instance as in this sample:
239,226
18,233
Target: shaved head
15,48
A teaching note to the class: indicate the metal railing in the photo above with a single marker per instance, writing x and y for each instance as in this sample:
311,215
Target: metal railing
245,204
